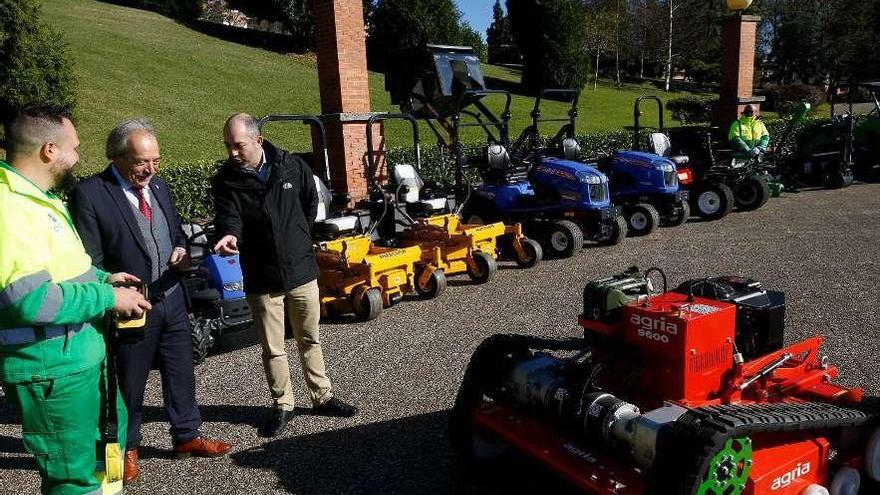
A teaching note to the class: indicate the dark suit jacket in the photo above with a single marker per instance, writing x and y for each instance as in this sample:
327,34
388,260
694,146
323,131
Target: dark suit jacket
109,230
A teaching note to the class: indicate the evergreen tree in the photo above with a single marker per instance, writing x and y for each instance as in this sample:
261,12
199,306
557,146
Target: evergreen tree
501,47
551,34
34,67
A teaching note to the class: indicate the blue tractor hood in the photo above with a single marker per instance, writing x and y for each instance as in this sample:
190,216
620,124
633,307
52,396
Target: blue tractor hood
578,182
636,173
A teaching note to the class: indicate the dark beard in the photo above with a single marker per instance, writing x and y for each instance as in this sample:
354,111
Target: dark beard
66,181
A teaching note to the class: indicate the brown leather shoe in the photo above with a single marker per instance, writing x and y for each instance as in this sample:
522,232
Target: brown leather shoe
202,447
131,470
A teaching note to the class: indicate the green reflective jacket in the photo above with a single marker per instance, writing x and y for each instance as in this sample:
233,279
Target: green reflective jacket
747,133
51,297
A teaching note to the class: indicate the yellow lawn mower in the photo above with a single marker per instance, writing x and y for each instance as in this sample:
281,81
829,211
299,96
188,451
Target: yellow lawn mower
356,276
425,216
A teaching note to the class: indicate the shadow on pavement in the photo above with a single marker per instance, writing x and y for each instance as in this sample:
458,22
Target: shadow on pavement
402,456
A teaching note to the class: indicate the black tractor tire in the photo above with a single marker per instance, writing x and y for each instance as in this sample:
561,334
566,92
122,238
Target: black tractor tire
680,214
563,239
752,193
486,270
714,202
642,219
839,179
533,253
202,341
618,232
369,305
436,284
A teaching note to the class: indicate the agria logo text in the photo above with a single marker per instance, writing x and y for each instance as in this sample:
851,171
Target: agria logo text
786,479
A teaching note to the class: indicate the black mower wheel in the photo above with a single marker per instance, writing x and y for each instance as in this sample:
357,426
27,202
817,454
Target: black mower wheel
714,202
680,214
642,219
436,284
533,253
752,193
618,232
486,269
368,306
563,239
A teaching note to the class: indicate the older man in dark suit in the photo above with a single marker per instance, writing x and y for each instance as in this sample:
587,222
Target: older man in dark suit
128,222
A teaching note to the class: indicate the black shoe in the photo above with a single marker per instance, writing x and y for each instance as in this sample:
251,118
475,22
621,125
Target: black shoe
275,423
335,407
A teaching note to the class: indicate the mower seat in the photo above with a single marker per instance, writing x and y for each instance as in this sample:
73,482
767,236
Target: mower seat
197,240
662,146
499,164
407,176
326,226
571,150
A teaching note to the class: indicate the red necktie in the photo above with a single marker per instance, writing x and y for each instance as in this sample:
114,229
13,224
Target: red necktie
143,206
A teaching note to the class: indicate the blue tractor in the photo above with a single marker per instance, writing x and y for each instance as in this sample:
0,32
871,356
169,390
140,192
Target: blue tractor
558,202
644,185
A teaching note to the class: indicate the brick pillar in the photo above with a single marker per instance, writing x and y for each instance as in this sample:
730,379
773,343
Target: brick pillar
342,74
738,41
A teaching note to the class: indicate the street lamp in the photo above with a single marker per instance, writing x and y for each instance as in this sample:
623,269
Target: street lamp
738,4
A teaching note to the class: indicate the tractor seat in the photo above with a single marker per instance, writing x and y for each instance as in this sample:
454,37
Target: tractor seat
571,149
326,226
408,176
663,146
499,164
197,240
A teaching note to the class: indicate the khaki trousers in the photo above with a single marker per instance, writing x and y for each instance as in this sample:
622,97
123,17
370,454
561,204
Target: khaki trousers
303,307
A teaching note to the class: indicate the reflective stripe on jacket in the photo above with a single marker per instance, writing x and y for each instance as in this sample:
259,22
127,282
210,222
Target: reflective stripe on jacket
51,297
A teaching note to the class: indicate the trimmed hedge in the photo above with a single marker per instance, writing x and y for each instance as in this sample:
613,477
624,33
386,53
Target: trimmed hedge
190,183
692,109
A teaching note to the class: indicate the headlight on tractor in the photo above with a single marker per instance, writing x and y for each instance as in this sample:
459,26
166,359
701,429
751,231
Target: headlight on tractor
590,179
234,286
667,167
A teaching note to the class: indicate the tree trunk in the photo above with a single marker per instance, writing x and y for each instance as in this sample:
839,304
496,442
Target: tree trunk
596,79
669,54
617,43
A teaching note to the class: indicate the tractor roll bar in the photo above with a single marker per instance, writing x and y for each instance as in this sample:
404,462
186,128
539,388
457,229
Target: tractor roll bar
310,120
500,123
637,113
381,117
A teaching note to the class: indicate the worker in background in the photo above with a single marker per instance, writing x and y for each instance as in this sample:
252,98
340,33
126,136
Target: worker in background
748,136
52,300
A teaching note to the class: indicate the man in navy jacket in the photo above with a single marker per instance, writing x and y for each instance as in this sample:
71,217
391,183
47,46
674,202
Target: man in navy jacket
128,222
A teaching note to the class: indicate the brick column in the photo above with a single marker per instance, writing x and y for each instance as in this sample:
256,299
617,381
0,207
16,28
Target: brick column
738,41
342,74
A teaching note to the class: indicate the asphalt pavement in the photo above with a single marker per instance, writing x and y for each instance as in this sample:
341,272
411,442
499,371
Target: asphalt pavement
822,247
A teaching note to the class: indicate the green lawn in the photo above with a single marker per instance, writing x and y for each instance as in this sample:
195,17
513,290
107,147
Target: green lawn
135,63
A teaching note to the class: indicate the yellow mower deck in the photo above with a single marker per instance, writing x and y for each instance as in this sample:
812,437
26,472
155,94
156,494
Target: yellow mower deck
448,244
351,266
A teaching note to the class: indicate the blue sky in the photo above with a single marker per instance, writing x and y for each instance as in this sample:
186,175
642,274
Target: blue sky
478,13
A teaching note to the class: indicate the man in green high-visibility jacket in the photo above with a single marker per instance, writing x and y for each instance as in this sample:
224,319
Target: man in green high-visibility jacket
52,300
748,136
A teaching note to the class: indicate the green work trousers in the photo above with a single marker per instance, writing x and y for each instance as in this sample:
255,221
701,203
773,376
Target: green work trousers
61,421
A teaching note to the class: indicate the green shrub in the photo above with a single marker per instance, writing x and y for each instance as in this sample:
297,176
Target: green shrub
692,109
33,64
179,9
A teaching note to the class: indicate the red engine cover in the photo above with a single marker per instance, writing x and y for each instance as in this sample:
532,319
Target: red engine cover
686,346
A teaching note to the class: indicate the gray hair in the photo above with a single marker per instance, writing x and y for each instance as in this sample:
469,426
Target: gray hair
251,126
117,141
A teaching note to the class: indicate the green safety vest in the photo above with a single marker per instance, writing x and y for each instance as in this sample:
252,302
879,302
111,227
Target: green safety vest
747,133
51,297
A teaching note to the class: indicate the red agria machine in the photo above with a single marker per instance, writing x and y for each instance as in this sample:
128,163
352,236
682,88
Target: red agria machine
681,392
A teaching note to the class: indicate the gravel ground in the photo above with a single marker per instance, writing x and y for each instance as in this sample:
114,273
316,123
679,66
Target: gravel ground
820,247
